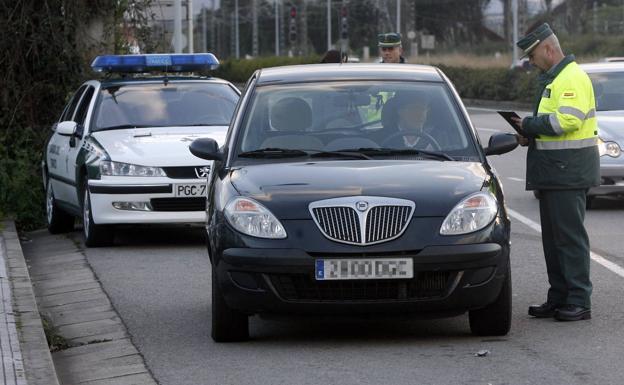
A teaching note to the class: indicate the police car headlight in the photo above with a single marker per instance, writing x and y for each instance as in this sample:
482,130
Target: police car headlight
471,214
611,149
110,168
251,218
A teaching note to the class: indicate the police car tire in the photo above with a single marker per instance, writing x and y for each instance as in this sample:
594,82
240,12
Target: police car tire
228,325
58,220
95,235
494,319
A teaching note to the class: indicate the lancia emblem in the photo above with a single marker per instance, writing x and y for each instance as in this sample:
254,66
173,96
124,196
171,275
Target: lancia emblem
361,205
202,172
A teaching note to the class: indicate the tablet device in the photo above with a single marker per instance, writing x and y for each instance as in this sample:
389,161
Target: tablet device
507,115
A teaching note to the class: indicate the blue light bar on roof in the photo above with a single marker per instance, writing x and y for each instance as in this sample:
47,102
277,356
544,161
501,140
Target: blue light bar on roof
155,62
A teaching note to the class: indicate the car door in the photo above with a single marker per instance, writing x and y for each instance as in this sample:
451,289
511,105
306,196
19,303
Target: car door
81,117
62,183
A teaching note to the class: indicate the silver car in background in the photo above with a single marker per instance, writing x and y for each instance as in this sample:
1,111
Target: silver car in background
608,82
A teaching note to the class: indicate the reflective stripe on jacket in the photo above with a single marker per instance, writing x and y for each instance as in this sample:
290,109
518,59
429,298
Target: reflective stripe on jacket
564,152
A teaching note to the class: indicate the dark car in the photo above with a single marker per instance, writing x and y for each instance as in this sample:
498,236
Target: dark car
355,189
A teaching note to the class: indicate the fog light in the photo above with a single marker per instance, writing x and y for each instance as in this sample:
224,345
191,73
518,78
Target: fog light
134,206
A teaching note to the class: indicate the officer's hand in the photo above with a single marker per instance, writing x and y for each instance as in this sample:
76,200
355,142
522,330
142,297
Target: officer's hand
518,121
522,140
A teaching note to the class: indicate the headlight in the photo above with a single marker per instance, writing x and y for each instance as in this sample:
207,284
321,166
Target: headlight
608,148
471,214
111,168
251,218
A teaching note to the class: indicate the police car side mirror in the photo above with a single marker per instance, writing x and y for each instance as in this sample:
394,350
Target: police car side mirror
206,148
501,144
66,128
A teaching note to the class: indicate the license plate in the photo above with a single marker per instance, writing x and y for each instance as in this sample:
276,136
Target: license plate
189,190
370,268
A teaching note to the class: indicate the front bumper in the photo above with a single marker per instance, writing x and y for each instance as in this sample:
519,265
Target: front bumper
448,280
165,206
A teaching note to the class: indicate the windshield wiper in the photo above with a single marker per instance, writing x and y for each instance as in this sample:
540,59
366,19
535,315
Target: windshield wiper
342,154
124,126
273,153
291,153
397,151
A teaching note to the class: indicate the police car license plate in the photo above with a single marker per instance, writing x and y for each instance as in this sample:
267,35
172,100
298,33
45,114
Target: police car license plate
189,190
370,268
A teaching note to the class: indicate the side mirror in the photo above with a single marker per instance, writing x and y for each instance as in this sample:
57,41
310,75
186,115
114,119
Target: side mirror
206,148
501,144
66,128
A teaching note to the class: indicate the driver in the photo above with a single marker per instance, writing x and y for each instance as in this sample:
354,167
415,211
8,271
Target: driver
412,111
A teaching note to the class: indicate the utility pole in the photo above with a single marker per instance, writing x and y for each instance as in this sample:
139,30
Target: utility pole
595,16
204,31
189,15
398,22
277,40
514,9
213,28
304,28
177,26
254,29
237,37
329,38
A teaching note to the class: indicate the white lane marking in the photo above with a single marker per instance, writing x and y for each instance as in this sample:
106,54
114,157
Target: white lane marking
617,269
515,179
488,129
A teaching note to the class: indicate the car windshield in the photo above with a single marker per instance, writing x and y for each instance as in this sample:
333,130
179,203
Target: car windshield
164,105
378,119
608,90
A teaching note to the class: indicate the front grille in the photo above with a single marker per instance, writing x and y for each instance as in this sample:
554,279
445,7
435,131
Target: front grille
341,223
362,220
178,204
385,222
184,172
303,287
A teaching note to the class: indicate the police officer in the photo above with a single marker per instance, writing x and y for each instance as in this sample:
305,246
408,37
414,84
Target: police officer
390,47
562,163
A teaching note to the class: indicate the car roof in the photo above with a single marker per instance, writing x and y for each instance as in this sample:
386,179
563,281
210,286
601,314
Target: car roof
603,67
159,79
348,71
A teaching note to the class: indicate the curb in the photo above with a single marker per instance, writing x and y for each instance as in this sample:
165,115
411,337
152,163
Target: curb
37,360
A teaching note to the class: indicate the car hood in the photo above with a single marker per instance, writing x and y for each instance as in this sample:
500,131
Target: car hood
287,188
160,146
611,125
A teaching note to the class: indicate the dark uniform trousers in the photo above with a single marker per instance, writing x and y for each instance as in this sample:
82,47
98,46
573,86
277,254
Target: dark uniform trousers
566,246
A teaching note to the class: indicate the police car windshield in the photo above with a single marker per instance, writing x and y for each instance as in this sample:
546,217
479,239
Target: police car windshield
160,105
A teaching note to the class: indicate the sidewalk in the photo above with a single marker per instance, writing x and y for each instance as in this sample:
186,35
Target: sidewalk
69,295
25,355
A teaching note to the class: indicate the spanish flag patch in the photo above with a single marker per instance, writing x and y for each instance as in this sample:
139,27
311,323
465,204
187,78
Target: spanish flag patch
569,95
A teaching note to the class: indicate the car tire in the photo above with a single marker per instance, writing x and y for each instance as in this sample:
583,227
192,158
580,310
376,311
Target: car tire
228,325
58,220
494,319
536,194
589,201
94,235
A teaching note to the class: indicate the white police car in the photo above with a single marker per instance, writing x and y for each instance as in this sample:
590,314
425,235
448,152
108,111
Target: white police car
119,151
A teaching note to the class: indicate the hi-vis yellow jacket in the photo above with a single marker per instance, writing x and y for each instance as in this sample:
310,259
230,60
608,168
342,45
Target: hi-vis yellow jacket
564,151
